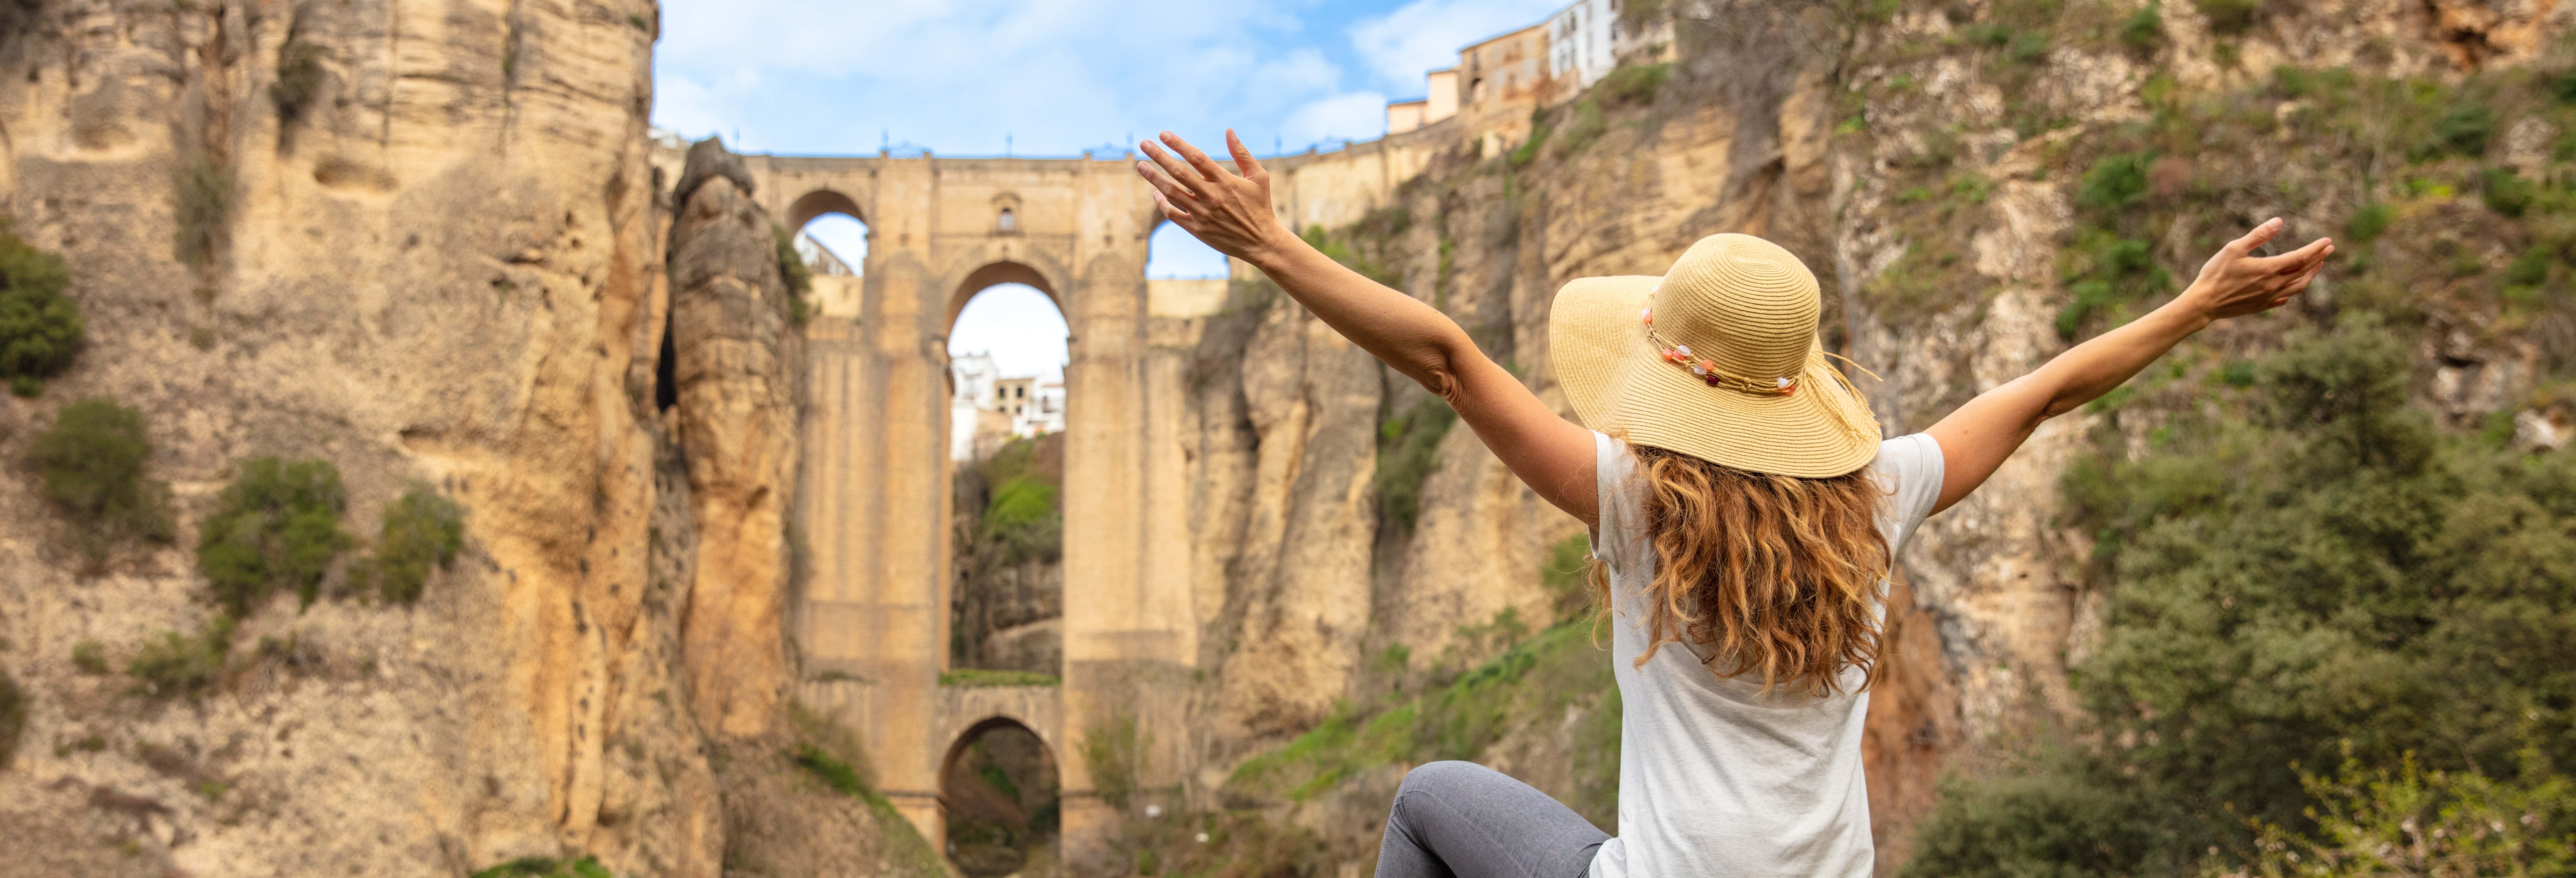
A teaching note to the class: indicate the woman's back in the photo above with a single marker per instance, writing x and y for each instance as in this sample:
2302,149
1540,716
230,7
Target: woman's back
1717,777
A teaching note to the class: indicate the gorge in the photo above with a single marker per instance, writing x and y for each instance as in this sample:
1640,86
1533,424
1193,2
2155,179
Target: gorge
699,621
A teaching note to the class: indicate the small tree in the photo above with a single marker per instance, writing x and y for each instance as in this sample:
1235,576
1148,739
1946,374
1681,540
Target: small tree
422,530
40,329
91,466
278,527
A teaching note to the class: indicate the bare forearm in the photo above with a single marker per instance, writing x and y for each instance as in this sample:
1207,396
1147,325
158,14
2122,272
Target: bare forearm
1415,338
2089,370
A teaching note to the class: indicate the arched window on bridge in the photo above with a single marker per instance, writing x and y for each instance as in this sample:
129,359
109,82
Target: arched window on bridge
1007,412
832,241
999,789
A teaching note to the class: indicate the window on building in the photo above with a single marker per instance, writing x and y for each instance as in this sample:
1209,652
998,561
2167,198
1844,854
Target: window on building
1006,222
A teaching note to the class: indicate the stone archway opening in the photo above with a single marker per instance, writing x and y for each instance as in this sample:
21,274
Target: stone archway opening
831,239
1008,346
998,793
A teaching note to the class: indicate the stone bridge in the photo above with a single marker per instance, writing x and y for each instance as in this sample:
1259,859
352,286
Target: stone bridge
872,620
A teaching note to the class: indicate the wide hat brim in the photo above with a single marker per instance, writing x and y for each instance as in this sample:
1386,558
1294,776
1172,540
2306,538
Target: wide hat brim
1620,385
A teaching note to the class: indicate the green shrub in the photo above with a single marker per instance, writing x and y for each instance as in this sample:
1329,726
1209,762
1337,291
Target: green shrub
1408,448
13,717
421,531
2230,17
299,80
180,664
833,772
2370,221
546,867
2144,30
91,464
2307,574
1635,84
2372,823
90,657
276,527
2115,182
2505,192
2462,131
791,267
202,208
1114,750
40,328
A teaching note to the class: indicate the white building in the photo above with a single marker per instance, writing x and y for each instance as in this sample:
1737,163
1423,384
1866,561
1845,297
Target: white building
985,408
1579,41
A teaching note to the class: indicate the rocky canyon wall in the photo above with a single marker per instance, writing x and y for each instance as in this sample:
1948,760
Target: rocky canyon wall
423,245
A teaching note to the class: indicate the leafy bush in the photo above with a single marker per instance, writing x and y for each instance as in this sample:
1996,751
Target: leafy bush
833,772
91,464
1408,447
2308,573
40,328
791,267
2230,17
2414,822
2370,222
90,657
277,527
2115,182
180,664
2462,131
2144,30
13,717
2505,192
1635,84
203,208
299,80
421,531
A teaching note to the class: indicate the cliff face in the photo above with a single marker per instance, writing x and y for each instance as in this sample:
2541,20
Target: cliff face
422,244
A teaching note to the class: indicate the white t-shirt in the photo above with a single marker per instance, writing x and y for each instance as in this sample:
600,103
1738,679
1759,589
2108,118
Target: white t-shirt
1715,779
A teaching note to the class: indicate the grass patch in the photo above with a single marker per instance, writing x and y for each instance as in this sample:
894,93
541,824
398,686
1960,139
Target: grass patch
40,328
90,657
979,677
1114,750
422,531
91,468
276,527
1534,681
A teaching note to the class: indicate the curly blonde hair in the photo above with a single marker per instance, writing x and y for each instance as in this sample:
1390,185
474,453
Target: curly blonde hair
1779,575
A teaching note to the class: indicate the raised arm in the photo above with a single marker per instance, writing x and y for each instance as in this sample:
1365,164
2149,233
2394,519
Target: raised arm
1231,212
1976,438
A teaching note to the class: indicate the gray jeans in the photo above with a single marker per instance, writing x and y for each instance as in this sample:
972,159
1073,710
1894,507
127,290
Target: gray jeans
1463,820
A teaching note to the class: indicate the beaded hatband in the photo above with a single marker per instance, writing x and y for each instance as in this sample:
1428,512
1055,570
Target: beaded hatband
1706,370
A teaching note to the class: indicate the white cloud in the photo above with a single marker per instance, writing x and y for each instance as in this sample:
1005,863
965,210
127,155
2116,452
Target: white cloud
1425,35
1056,76
1353,116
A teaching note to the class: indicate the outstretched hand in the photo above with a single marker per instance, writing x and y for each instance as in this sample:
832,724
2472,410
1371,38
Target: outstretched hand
1228,211
2235,282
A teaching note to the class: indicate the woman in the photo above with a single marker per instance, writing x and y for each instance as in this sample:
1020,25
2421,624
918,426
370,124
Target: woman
1745,515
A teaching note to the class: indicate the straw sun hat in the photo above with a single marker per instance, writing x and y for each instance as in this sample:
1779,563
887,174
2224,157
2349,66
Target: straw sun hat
1717,359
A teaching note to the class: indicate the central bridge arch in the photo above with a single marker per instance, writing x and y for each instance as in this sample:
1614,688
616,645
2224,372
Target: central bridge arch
871,618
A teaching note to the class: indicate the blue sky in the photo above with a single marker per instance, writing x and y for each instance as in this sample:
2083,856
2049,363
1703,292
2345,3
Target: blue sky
1051,78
